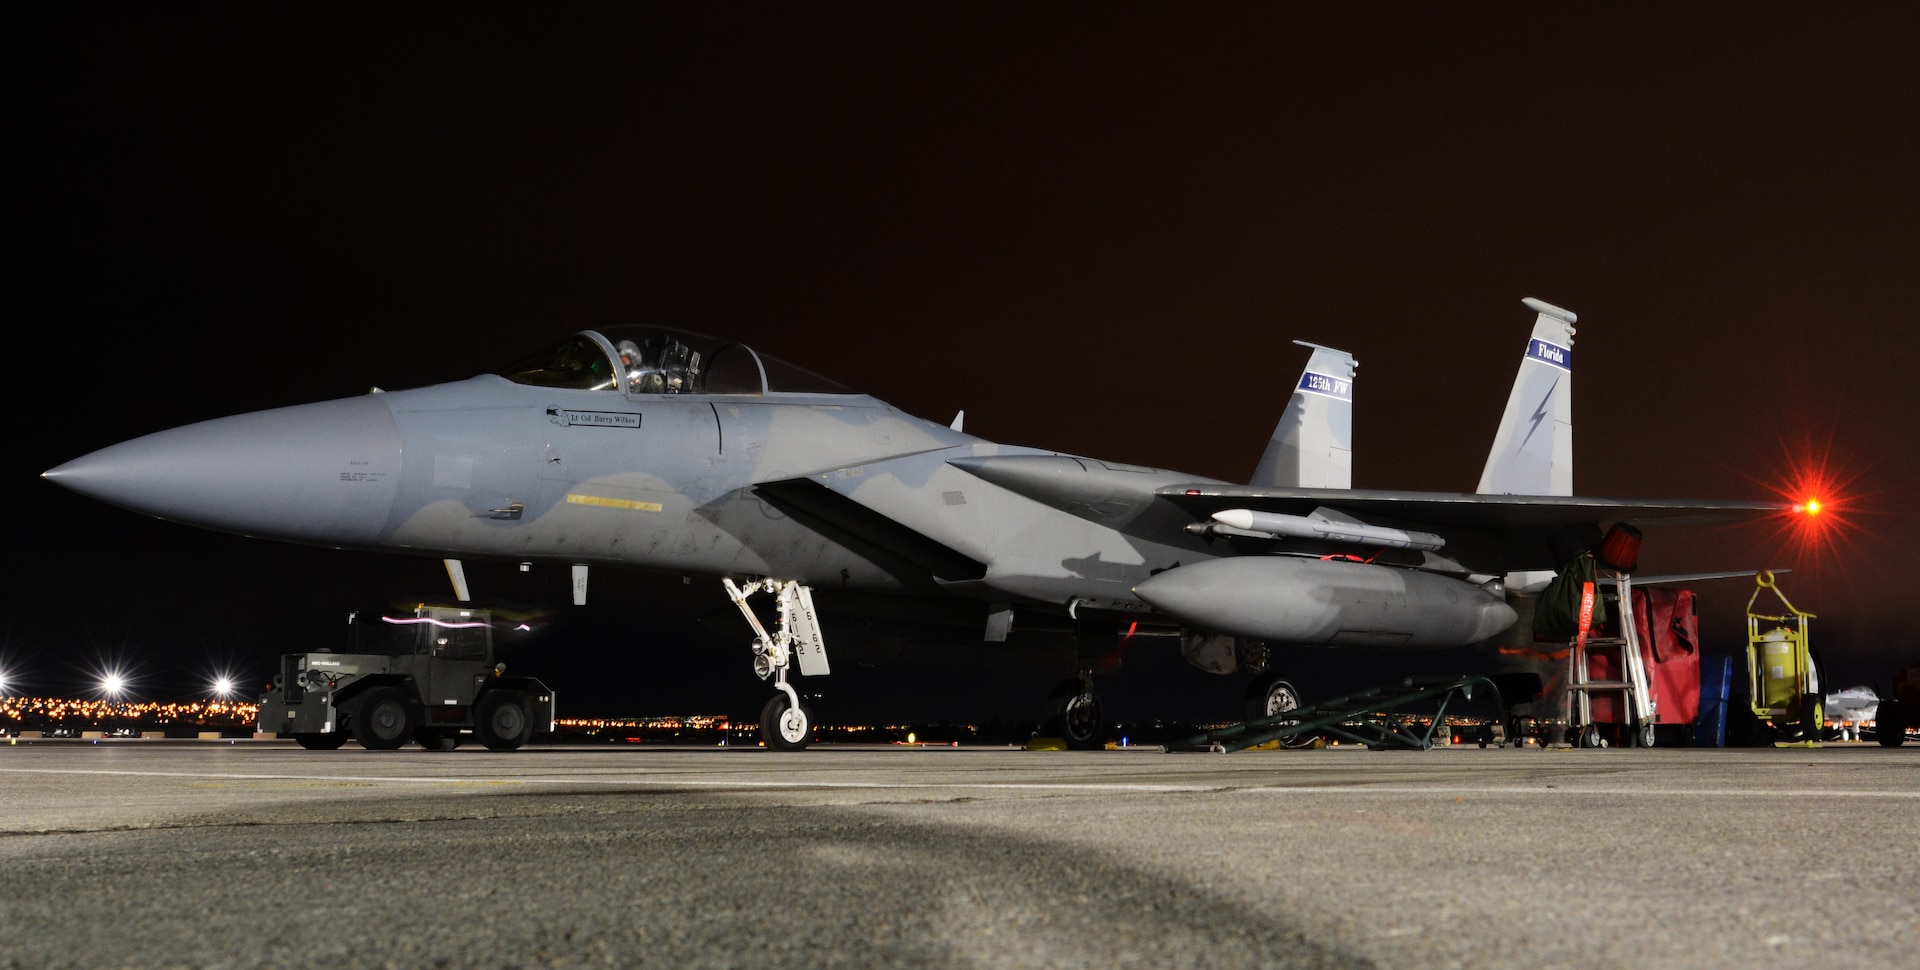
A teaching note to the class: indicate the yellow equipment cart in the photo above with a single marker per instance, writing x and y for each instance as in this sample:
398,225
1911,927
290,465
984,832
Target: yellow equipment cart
1783,680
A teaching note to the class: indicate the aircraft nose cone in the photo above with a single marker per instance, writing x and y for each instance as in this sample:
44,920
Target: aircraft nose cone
321,473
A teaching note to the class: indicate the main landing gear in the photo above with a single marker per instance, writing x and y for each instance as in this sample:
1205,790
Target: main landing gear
1270,694
786,724
1073,714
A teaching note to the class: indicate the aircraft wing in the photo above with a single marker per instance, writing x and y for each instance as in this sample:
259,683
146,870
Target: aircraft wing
1120,495
1463,509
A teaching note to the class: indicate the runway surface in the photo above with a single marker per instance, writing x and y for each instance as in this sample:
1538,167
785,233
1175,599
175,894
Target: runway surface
155,854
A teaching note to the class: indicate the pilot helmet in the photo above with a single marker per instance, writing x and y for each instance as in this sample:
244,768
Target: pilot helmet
629,354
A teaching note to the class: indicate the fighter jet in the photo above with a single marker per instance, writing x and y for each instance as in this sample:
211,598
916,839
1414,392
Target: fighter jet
647,448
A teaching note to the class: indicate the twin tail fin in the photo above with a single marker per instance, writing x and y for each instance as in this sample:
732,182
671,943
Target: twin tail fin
1312,447
1533,450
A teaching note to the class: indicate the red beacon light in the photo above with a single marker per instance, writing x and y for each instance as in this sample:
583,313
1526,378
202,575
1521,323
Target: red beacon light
1821,507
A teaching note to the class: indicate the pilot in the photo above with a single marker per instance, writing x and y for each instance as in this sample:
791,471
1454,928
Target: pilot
642,377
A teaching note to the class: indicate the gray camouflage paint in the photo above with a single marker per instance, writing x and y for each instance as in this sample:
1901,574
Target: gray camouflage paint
845,492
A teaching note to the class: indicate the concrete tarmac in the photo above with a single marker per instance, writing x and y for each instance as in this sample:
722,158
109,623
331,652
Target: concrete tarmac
151,854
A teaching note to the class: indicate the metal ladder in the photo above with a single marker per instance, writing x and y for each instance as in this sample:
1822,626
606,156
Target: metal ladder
1635,696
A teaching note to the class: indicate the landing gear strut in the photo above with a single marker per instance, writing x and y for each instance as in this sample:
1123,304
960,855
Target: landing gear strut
785,723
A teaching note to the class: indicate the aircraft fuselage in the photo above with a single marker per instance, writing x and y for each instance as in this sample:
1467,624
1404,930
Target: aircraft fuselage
490,469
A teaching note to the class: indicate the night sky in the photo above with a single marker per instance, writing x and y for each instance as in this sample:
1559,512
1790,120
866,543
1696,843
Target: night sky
1095,228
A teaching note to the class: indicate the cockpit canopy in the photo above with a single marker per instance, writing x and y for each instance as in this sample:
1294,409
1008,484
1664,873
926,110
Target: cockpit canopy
651,360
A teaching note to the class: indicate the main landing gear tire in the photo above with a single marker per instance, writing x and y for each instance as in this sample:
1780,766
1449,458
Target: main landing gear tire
783,726
1073,715
1270,694
322,742
501,720
384,720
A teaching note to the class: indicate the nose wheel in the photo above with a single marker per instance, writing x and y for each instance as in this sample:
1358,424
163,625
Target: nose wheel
784,724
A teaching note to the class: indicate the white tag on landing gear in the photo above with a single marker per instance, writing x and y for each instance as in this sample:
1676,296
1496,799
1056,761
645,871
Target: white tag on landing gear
808,645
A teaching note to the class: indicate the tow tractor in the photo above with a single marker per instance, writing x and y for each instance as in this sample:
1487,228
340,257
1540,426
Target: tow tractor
428,676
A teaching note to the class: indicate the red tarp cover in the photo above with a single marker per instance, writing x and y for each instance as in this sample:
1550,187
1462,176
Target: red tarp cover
1670,645
1665,620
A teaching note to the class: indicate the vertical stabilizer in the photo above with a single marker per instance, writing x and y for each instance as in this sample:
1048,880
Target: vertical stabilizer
1533,450
1312,447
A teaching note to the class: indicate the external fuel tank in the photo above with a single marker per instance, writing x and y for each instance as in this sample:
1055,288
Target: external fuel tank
1327,602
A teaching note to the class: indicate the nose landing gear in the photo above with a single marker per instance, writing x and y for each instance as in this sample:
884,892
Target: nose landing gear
785,723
